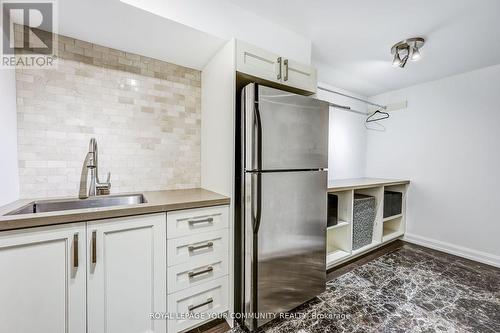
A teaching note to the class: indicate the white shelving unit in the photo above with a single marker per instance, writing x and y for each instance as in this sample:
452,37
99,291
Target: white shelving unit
339,237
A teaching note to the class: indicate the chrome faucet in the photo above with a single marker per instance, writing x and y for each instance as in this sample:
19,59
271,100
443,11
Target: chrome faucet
91,164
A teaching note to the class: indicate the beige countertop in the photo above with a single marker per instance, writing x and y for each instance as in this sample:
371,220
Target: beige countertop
358,183
157,201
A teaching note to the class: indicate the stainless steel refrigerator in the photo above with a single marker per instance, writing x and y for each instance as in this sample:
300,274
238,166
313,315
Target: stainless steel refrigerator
284,153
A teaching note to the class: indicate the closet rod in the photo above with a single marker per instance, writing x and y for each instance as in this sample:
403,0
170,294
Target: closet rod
347,108
356,98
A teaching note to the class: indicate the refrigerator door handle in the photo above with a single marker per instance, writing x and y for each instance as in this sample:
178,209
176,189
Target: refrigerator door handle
257,201
258,145
258,197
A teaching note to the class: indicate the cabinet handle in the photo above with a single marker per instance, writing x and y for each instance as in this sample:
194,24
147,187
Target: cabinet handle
208,301
207,270
207,220
278,77
286,70
75,251
94,247
192,248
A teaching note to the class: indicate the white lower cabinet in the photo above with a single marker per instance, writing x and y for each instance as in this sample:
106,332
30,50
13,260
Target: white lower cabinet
101,276
42,280
198,266
126,274
110,276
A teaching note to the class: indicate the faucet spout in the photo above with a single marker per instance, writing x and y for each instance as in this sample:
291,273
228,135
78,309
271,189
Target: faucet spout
91,165
83,192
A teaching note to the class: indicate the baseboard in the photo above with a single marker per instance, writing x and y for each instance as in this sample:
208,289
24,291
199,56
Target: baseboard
483,257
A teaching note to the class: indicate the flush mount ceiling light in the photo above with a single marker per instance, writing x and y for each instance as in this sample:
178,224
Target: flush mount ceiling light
408,49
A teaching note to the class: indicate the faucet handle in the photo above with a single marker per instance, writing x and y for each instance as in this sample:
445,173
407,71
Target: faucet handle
104,188
106,184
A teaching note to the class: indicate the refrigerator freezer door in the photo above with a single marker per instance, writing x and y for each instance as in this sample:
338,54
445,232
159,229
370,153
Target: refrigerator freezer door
285,249
293,130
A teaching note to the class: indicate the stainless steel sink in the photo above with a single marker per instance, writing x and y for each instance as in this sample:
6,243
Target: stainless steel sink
43,206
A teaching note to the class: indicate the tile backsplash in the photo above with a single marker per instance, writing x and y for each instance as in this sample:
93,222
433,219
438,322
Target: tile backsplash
144,113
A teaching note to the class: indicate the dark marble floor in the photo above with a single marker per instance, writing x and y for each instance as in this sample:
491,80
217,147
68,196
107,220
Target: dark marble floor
408,289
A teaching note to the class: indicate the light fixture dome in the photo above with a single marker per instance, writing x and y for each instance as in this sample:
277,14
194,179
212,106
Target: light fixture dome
415,53
397,60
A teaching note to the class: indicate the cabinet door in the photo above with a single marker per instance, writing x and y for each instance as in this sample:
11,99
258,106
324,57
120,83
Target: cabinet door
299,76
126,274
254,61
42,280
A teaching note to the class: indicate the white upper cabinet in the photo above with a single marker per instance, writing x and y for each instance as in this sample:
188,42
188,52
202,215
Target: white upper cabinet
273,67
127,274
42,283
254,61
299,76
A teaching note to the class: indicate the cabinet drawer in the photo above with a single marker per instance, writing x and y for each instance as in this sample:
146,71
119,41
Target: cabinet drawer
202,246
192,221
202,300
195,273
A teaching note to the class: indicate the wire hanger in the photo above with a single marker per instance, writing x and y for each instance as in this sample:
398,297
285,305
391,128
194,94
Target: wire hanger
384,115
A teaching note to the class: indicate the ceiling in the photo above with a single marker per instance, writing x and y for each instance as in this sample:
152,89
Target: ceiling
115,24
351,40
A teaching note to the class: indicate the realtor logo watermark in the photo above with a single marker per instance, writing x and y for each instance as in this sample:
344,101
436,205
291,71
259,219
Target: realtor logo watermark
29,36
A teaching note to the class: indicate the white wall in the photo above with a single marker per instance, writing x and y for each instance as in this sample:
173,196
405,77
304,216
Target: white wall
227,20
218,80
9,176
347,136
217,121
447,142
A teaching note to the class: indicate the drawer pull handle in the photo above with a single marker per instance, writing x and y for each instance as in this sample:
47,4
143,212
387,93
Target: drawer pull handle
208,301
199,247
94,247
286,70
207,270
278,77
207,220
75,251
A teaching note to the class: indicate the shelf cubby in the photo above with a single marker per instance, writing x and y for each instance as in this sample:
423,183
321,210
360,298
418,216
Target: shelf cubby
392,228
344,211
338,244
378,193
339,235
